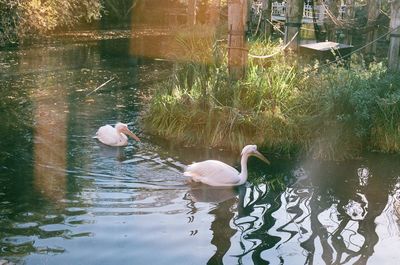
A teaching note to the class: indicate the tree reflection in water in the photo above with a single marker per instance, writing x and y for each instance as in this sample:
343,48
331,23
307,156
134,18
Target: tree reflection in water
327,216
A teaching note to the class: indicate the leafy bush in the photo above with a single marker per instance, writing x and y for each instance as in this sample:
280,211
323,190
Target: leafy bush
334,113
24,19
343,112
385,132
199,105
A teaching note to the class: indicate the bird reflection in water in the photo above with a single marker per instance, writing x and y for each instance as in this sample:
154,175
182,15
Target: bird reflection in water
223,198
112,152
199,192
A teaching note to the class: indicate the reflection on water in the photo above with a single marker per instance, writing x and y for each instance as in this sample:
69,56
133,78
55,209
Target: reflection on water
50,140
203,193
67,199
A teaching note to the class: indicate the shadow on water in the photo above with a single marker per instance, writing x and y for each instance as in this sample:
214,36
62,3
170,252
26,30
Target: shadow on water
64,196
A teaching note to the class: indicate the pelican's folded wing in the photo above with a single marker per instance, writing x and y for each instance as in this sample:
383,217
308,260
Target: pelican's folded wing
107,135
213,172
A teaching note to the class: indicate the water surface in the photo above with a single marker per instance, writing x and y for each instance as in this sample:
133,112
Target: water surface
67,199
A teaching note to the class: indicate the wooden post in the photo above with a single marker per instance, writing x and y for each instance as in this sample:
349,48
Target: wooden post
394,48
294,15
266,14
191,18
374,7
237,50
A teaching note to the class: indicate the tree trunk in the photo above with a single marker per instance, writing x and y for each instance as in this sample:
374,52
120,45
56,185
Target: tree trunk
248,16
191,17
237,51
266,14
350,14
214,10
329,24
373,13
294,15
394,48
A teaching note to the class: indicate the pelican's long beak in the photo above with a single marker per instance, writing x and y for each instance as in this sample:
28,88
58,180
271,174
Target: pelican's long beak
260,156
131,134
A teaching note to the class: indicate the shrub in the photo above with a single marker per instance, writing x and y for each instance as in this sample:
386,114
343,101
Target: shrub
20,20
334,113
200,106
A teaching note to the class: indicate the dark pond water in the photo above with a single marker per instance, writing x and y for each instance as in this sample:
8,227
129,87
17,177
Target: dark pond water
66,199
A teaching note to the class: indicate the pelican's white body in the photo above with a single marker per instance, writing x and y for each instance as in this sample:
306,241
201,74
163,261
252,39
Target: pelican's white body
213,173
110,136
217,173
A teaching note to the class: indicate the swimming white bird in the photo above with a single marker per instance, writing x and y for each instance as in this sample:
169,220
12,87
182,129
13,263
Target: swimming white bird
115,136
217,173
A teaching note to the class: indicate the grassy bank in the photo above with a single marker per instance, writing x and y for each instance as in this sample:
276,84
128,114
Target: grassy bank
344,112
332,113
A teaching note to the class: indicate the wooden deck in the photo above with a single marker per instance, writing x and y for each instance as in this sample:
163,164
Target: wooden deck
326,51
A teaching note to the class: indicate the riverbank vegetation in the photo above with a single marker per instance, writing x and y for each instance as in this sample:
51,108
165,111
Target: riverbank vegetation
23,20
282,103
326,110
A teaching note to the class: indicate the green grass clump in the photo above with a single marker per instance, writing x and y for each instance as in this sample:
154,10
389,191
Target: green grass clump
385,132
343,112
199,105
335,113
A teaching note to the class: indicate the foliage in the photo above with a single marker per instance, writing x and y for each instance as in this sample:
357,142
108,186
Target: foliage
31,18
338,108
8,22
385,133
333,113
119,9
199,105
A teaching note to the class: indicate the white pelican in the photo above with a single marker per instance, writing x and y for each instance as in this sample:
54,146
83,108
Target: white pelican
115,136
216,173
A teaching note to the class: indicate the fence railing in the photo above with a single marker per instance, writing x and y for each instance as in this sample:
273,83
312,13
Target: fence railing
279,9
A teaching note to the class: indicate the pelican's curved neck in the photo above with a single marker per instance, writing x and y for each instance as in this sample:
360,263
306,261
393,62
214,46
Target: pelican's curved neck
243,172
